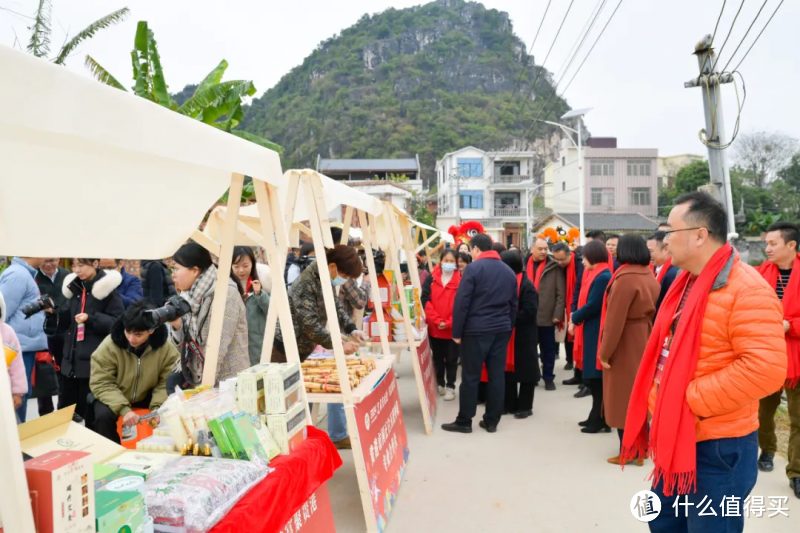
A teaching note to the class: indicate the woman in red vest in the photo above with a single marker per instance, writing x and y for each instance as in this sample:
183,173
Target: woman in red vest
438,295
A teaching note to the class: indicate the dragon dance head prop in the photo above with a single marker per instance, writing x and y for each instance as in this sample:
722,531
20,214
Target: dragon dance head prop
466,231
571,237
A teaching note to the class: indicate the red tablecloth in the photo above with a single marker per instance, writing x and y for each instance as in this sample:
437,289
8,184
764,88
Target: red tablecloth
271,503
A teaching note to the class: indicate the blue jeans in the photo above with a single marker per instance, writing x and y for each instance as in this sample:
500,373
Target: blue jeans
30,361
548,347
337,422
725,468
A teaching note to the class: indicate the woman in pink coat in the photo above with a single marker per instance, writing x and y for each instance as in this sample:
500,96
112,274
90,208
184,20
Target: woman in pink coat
13,357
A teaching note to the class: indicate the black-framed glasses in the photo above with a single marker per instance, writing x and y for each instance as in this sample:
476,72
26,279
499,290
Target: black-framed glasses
668,232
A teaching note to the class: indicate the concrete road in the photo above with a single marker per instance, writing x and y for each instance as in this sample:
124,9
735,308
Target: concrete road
541,474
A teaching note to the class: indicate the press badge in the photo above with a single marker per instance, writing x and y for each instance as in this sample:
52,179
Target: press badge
81,332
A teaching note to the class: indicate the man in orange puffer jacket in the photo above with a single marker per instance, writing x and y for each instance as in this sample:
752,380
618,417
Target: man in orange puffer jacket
717,348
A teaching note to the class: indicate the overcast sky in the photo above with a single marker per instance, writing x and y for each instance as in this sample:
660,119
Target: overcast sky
633,79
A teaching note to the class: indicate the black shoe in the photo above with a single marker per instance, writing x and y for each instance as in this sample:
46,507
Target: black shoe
574,380
795,484
569,366
455,427
78,419
765,463
549,385
490,429
523,414
584,423
583,393
596,429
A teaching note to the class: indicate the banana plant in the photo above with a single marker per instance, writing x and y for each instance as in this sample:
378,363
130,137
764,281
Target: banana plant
41,31
215,102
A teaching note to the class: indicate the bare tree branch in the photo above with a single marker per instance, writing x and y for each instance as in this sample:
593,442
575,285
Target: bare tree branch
765,153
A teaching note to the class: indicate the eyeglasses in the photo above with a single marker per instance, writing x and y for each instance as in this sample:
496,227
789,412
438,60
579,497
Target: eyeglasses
671,231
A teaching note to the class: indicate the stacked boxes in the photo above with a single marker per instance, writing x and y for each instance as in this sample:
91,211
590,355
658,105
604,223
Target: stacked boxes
281,388
288,429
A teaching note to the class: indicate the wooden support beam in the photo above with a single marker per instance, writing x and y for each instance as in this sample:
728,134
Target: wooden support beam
206,242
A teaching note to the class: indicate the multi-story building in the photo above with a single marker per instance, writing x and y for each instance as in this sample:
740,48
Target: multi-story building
494,188
669,166
616,180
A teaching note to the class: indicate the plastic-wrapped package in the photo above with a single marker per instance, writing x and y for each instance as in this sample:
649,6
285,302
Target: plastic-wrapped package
192,494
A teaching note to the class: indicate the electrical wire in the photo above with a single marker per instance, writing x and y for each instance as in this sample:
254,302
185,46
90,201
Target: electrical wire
721,11
530,51
740,107
573,50
745,35
714,67
758,36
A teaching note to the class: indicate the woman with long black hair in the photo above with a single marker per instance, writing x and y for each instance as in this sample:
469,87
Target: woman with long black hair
247,274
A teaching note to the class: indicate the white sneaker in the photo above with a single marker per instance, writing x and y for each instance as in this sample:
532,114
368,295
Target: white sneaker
441,391
450,395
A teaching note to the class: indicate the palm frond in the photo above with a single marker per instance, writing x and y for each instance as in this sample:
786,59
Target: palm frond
261,141
101,74
141,61
211,96
231,99
39,44
214,77
160,89
114,18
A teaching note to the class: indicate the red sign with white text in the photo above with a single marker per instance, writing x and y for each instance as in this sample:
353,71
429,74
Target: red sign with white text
428,376
315,516
384,443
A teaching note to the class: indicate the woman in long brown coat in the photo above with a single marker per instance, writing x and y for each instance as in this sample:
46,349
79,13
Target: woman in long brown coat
630,304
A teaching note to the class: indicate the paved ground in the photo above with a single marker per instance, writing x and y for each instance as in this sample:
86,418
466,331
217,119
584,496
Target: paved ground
541,474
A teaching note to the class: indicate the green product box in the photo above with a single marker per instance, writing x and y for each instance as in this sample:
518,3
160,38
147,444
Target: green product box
221,436
105,474
243,438
119,512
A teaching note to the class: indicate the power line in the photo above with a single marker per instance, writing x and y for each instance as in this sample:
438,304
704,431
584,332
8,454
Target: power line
721,11
745,35
728,36
758,36
530,51
584,32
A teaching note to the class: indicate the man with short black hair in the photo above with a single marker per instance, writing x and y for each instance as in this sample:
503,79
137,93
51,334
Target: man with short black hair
129,369
661,261
612,241
596,235
572,264
782,271
600,235
484,315
131,287
50,280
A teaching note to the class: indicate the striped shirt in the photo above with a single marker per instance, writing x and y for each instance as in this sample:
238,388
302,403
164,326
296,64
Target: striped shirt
783,282
662,359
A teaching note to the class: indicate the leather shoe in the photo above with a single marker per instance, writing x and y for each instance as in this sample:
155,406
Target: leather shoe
569,366
343,444
455,427
584,423
574,380
583,393
596,429
490,429
549,385
765,463
795,484
523,414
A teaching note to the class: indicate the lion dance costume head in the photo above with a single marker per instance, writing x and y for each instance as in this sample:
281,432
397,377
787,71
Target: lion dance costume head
571,237
466,231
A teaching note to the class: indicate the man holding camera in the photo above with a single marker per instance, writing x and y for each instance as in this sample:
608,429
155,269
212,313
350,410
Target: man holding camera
20,290
129,369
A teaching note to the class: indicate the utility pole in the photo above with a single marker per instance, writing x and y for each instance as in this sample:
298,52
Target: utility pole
710,82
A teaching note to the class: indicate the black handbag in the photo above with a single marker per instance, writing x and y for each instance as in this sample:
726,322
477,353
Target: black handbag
44,378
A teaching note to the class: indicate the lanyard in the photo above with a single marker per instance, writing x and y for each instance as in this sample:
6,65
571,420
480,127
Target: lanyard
83,301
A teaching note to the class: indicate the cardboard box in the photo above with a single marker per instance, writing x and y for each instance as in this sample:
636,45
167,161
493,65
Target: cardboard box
282,387
119,511
244,440
143,463
250,389
61,487
221,436
288,429
105,474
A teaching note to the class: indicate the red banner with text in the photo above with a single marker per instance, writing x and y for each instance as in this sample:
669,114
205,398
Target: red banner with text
428,376
384,443
315,516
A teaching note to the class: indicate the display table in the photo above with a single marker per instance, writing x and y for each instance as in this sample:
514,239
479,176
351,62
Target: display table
295,481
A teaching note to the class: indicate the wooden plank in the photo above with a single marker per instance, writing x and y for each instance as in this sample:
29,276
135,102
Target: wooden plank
383,328
348,220
206,242
223,275
293,177
408,247
425,245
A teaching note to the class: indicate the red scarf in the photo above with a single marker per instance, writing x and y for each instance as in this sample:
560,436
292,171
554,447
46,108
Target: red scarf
572,278
673,440
510,349
491,254
611,262
586,284
663,272
603,315
791,312
536,279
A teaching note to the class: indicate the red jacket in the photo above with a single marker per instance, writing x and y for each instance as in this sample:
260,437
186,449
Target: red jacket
440,306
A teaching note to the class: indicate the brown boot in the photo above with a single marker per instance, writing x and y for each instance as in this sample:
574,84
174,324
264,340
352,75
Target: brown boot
343,444
615,461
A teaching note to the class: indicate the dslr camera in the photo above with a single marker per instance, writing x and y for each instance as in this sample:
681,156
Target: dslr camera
42,304
175,308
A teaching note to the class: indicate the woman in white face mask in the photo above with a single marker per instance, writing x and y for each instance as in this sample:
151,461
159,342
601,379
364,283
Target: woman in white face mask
438,296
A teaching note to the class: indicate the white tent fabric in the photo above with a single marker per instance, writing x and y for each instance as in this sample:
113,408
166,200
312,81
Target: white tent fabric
87,170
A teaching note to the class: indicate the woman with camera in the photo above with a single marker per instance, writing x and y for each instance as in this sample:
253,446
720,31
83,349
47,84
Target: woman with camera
249,276
94,304
196,277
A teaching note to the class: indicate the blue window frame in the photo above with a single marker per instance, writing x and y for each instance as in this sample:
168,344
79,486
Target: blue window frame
471,199
470,167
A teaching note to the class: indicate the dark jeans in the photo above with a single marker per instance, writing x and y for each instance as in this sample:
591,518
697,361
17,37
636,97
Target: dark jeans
102,420
477,350
519,396
29,358
596,414
548,347
55,345
568,347
725,468
75,392
445,361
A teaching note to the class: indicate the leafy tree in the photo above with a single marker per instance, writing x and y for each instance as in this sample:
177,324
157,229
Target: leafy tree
688,179
41,32
764,154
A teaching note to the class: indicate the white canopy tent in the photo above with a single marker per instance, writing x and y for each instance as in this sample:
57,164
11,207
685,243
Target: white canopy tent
92,171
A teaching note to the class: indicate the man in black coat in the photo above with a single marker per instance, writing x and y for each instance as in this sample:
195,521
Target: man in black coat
484,314
50,279
662,260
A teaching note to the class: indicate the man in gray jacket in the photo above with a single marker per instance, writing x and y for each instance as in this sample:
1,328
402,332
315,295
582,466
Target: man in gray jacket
550,283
